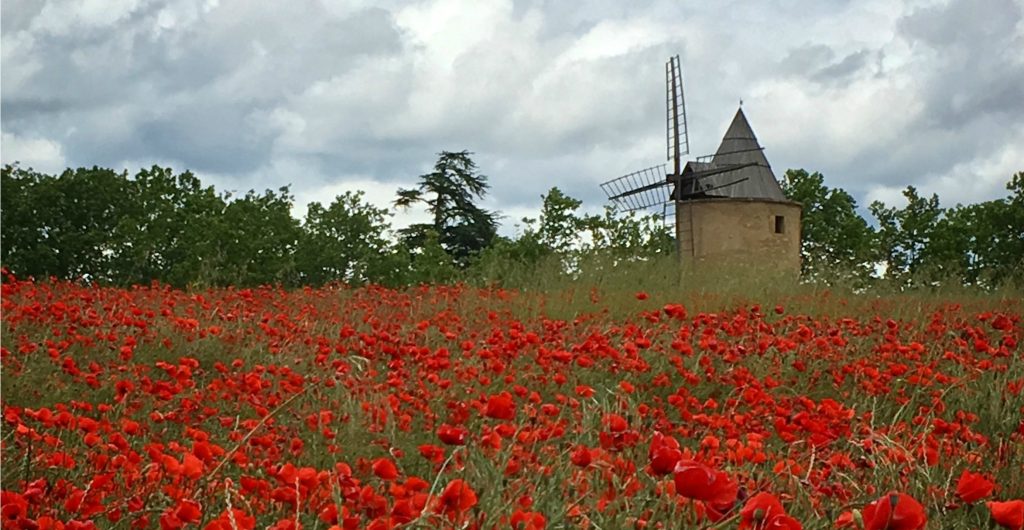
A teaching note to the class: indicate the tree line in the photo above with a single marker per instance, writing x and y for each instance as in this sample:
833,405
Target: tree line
918,243
96,224
100,225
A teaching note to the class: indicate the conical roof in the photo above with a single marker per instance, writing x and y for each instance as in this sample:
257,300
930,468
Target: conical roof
752,177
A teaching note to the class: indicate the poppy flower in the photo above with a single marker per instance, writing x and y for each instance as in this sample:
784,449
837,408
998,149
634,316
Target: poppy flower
186,512
895,511
664,461
973,487
452,435
698,481
14,507
581,456
760,509
385,469
615,422
191,466
456,498
1007,514
664,453
676,311
501,407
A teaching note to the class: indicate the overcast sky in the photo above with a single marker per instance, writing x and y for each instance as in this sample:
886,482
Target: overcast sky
332,96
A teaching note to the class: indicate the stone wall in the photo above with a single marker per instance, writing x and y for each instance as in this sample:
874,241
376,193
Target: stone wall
757,233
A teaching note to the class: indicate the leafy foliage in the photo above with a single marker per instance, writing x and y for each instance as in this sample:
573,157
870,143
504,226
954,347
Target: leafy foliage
463,228
164,228
62,226
346,242
836,242
905,233
257,238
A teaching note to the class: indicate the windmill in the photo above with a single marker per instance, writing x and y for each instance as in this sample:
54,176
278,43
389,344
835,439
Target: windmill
735,177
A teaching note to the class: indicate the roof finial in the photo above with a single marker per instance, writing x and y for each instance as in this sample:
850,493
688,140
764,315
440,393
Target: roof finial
741,102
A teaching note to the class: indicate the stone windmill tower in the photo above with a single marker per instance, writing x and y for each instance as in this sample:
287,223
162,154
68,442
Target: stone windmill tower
729,209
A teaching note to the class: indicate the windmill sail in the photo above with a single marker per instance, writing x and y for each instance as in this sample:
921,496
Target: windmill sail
677,138
639,190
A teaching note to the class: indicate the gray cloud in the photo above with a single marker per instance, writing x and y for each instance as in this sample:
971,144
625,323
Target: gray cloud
249,95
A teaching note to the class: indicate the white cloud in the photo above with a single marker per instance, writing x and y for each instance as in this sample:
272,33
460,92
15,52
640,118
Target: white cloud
40,154
65,16
875,94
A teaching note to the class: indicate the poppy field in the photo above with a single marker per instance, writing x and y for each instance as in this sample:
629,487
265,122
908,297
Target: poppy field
461,407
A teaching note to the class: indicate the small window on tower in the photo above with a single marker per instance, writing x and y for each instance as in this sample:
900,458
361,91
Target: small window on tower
780,224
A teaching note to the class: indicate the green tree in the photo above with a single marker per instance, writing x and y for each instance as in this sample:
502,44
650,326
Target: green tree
627,237
550,243
980,244
432,263
836,242
22,225
346,242
164,230
256,237
462,227
61,226
1004,249
905,233
560,227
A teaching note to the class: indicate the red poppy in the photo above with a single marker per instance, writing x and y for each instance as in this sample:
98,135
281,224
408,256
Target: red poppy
185,513
385,469
191,466
895,511
581,456
973,487
452,435
501,407
676,311
456,498
759,510
664,461
698,481
14,507
432,452
664,453
615,422
1007,514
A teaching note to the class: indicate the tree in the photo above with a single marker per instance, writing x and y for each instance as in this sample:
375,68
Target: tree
256,238
550,243
163,233
627,237
431,264
463,228
22,226
836,243
560,227
904,234
61,226
346,242
980,244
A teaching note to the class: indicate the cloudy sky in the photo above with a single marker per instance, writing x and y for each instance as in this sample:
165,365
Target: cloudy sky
332,96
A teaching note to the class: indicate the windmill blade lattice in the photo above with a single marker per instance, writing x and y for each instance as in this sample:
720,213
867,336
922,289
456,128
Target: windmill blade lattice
642,189
677,138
